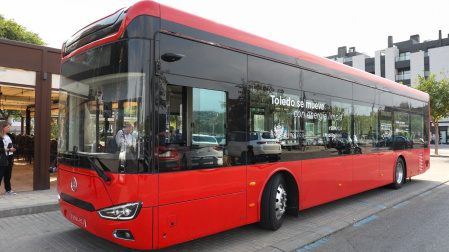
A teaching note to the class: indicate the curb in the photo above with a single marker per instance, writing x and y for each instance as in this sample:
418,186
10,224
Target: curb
11,212
31,202
440,155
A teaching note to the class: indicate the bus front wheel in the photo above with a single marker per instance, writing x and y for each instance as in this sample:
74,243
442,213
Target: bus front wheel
399,174
274,203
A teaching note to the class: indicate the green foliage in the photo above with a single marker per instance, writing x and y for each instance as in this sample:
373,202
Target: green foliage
438,91
15,114
9,29
54,128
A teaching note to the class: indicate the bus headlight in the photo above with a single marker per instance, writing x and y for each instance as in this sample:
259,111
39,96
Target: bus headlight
126,211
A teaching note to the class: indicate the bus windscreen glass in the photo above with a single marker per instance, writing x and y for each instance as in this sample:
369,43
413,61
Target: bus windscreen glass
102,108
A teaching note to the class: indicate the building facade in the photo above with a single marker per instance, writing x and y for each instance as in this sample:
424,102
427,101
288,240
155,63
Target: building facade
402,62
29,82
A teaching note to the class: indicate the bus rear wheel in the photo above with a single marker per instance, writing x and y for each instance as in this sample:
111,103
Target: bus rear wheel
274,203
399,174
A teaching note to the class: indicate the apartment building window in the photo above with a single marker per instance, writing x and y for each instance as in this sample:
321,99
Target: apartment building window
403,75
403,56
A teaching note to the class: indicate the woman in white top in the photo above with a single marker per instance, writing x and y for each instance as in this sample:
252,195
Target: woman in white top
9,150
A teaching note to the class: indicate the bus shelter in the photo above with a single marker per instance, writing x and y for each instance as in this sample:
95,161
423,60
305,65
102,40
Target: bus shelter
29,83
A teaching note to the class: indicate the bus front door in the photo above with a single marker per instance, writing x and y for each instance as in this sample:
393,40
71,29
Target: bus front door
199,192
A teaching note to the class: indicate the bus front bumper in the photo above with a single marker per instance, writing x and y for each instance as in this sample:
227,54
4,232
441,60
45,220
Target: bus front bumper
136,233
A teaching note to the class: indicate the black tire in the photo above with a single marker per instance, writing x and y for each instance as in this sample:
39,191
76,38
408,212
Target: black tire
399,174
274,203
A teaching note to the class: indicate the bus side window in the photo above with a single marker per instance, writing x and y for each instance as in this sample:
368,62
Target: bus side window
194,127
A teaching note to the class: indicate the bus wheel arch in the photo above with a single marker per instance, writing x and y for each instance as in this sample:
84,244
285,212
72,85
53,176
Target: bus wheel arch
280,197
400,173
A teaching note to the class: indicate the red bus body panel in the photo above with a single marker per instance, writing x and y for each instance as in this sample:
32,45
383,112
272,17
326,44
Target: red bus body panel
210,215
365,172
198,184
213,198
323,180
92,189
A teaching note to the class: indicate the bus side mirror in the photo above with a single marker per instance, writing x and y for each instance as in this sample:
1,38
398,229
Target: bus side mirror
172,57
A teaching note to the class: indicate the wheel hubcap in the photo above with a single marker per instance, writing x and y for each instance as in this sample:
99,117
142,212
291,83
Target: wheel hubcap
281,201
399,173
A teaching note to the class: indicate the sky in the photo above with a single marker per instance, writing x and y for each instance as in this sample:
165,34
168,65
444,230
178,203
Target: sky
314,26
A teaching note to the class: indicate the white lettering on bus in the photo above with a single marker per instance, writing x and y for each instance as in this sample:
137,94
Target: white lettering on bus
312,106
288,101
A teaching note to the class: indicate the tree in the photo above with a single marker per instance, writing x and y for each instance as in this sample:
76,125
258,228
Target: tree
438,91
15,114
9,29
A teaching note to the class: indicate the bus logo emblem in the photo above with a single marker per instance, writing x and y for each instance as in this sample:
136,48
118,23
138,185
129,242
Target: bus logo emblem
74,184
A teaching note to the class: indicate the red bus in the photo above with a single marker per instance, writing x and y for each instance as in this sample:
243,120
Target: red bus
173,127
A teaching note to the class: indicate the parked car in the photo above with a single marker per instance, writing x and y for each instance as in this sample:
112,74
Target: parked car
400,143
205,150
221,139
345,145
167,157
289,143
253,146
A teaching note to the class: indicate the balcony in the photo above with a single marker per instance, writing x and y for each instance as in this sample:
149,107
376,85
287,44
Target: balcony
347,59
403,58
403,76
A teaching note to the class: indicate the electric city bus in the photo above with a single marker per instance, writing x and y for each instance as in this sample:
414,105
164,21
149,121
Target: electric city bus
172,128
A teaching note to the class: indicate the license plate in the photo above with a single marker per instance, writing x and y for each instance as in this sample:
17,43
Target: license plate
80,221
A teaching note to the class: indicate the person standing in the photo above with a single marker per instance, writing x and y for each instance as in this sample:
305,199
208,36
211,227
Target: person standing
124,137
3,160
125,143
9,151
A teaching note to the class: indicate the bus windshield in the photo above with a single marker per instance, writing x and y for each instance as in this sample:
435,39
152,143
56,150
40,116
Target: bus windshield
102,109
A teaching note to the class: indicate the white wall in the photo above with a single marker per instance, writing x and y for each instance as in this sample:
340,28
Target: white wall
359,62
17,76
55,80
416,66
390,63
378,63
439,61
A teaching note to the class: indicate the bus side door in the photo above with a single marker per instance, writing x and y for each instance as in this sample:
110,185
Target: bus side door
200,193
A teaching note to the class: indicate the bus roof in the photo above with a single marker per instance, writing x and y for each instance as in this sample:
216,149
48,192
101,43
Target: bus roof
343,71
200,23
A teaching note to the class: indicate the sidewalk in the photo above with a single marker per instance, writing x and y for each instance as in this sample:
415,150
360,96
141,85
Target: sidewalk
443,150
28,203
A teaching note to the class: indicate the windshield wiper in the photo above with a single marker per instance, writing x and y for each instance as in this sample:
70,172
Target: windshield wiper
100,173
105,168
